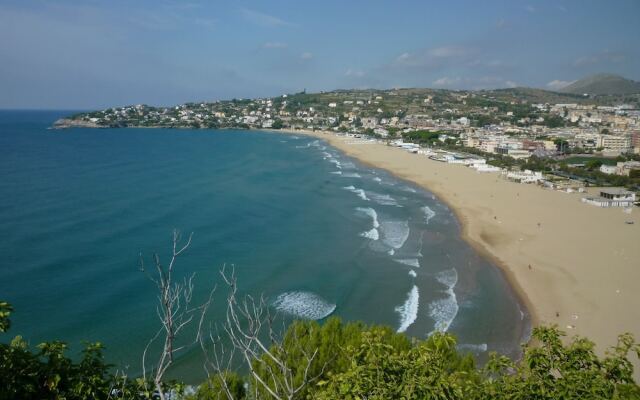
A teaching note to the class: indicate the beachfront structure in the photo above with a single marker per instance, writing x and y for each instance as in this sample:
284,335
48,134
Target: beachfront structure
485,168
526,176
612,198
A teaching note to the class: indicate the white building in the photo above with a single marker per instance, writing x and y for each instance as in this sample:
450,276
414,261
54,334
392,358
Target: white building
608,169
526,176
612,198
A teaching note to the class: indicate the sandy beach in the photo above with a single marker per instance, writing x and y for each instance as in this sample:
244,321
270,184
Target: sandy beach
575,265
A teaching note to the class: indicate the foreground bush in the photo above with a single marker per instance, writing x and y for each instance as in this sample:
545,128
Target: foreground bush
352,361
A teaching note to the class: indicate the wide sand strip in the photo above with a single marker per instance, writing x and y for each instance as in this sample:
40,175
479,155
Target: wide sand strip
575,265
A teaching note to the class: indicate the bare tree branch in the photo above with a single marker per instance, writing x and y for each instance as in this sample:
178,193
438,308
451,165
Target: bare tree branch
174,312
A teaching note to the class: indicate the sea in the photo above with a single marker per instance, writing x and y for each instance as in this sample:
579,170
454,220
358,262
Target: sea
314,232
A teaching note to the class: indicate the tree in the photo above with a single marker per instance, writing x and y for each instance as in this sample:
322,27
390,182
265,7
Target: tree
277,124
174,311
593,165
279,367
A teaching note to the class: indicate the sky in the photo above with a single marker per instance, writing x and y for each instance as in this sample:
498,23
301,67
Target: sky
63,54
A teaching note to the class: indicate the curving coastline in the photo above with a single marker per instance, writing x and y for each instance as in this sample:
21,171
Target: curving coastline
571,264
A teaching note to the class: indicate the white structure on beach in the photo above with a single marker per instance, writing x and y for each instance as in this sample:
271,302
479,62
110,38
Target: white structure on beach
485,168
526,176
612,198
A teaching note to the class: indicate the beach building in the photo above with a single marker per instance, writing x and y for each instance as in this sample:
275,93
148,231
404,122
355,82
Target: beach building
526,176
485,168
612,198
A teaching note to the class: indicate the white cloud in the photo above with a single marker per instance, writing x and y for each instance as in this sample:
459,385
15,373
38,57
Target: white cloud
557,84
448,52
447,81
529,8
606,56
274,45
306,55
354,73
433,57
263,19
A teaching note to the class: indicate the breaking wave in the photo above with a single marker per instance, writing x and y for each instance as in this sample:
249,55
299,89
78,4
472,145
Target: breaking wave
412,262
351,175
428,213
373,233
384,199
409,310
412,273
444,311
370,212
357,191
305,305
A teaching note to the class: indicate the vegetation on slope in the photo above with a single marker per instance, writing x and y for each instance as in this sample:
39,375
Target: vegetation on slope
351,361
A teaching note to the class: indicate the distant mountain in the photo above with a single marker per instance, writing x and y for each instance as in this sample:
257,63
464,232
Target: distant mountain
603,84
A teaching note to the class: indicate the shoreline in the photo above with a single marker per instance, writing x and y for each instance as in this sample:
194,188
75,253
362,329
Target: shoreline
581,259
577,275
518,292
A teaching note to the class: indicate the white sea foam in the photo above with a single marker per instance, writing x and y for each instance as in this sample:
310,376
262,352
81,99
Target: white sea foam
384,199
307,305
357,191
372,234
336,172
314,143
448,278
370,212
394,234
428,213
409,189
351,175
474,348
412,273
409,310
336,162
377,179
348,165
412,262
444,311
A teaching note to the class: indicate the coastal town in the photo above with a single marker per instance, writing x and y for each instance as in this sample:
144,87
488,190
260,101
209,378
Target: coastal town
560,141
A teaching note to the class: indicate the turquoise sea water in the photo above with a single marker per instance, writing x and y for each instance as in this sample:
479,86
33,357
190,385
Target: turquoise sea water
314,231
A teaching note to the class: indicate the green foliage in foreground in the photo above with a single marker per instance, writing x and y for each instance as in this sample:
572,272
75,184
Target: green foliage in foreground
352,361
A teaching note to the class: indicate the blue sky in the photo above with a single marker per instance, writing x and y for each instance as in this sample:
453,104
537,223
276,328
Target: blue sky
91,54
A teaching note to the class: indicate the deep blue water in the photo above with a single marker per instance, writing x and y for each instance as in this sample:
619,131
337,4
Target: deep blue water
311,229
